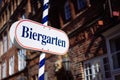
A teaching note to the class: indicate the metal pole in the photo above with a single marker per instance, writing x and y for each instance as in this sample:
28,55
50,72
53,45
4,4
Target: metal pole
42,56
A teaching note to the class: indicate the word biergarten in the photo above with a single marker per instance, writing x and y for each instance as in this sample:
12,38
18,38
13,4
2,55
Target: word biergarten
44,39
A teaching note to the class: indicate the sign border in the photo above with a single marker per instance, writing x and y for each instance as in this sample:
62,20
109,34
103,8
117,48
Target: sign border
37,49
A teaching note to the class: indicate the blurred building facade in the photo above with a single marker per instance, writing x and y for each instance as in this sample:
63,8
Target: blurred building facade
93,28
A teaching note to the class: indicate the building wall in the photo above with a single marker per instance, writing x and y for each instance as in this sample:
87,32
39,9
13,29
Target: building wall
85,33
84,21
81,29
11,11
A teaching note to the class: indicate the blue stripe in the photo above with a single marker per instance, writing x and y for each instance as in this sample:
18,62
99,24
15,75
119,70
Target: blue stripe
45,6
41,77
45,19
42,62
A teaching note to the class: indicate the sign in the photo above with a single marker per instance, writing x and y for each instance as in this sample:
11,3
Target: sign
35,36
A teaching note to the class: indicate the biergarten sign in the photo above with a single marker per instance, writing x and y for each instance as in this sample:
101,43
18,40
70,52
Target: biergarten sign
32,35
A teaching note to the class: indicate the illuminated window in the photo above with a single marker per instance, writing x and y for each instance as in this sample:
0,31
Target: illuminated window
21,59
11,65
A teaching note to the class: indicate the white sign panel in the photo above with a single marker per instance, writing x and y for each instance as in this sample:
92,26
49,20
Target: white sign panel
12,32
35,36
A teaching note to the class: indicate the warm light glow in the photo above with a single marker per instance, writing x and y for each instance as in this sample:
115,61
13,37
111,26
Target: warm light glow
100,22
116,13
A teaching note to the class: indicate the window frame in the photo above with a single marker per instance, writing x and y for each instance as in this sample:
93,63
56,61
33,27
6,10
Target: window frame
108,46
101,67
115,52
111,34
92,67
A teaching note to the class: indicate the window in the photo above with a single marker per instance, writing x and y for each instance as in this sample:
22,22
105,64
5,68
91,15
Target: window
4,69
93,71
67,11
1,47
81,4
106,67
112,36
21,59
115,52
88,71
11,65
5,43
